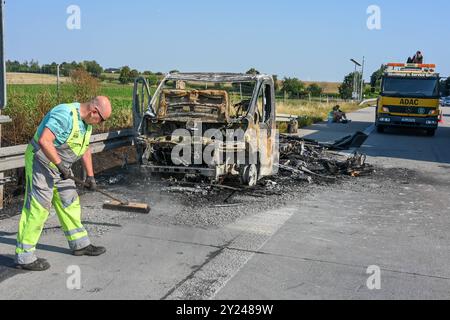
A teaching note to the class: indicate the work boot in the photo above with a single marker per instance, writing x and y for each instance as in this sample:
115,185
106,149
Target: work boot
38,265
90,250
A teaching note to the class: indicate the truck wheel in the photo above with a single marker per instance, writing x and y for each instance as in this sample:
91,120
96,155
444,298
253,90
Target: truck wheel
249,175
431,132
380,129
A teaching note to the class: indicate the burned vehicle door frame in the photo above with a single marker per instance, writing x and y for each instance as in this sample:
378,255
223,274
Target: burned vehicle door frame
142,109
267,127
153,126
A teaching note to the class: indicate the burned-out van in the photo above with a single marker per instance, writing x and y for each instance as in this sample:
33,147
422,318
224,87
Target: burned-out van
208,124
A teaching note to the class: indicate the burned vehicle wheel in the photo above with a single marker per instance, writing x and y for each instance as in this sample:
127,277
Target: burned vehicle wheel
249,175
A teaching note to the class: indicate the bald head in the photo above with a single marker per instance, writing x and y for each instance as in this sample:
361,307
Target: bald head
96,111
104,106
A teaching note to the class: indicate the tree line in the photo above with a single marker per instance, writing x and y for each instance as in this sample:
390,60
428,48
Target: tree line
65,68
291,87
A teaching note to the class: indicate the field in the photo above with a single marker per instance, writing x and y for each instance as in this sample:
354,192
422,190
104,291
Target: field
28,103
32,78
328,87
311,112
111,76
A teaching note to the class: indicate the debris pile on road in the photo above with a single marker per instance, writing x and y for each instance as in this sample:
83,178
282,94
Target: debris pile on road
300,160
308,160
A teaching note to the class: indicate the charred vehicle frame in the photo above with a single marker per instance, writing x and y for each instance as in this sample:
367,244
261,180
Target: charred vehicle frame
189,112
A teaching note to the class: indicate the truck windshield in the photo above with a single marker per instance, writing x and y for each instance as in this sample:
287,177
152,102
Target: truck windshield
414,87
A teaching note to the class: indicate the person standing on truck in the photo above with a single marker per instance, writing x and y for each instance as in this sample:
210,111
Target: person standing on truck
418,58
61,139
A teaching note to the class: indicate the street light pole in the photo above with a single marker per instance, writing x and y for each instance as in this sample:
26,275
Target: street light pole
356,80
354,84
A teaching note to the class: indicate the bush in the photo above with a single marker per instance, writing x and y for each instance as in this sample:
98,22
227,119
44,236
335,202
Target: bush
26,114
86,86
294,87
93,68
346,88
152,80
314,90
125,75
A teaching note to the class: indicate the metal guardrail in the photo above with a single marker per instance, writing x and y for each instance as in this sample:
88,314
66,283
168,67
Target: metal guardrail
286,117
14,157
4,119
369,101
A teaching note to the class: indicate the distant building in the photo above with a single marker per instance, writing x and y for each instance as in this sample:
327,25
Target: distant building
112,70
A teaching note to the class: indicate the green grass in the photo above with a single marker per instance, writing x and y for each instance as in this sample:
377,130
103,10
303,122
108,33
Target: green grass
28,104
121,96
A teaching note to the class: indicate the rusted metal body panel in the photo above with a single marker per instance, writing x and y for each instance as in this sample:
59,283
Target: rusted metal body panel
193,125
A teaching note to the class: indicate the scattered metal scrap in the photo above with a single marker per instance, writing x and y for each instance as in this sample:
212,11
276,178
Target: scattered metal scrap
300,159
198,187
308,159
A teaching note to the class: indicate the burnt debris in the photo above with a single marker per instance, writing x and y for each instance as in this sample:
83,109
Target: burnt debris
309,160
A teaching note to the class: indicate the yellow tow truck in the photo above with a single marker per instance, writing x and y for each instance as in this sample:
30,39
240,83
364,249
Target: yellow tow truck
409,97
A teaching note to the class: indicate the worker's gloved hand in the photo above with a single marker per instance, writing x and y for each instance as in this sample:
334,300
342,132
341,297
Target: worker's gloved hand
90,184
65,173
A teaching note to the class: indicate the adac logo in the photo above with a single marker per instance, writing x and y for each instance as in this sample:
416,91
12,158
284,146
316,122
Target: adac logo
409,102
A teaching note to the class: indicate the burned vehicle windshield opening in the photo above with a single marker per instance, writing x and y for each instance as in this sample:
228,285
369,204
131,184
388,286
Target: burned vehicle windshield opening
209,101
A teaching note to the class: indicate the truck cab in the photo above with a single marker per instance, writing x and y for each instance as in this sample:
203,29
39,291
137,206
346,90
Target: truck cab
409,98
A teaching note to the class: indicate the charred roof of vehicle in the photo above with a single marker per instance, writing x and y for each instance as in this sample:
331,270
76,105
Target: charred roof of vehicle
217,77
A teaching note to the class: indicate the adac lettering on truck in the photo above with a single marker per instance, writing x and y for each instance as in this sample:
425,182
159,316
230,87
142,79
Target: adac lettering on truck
409,102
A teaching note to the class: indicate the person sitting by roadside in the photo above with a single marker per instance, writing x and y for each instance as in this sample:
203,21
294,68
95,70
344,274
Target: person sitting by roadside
338,116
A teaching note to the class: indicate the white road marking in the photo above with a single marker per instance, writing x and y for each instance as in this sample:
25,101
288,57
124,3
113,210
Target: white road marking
213,276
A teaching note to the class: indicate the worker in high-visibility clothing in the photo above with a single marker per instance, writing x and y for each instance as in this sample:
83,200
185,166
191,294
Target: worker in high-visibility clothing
61,139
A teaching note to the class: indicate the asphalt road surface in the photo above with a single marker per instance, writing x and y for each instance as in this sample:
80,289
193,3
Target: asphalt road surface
317,245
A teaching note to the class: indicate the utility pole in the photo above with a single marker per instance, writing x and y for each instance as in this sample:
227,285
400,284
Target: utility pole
57,80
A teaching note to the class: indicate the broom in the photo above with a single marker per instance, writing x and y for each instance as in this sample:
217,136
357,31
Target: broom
118,204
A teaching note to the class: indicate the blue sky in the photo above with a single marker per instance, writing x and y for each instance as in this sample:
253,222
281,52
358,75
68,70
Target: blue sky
311,40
